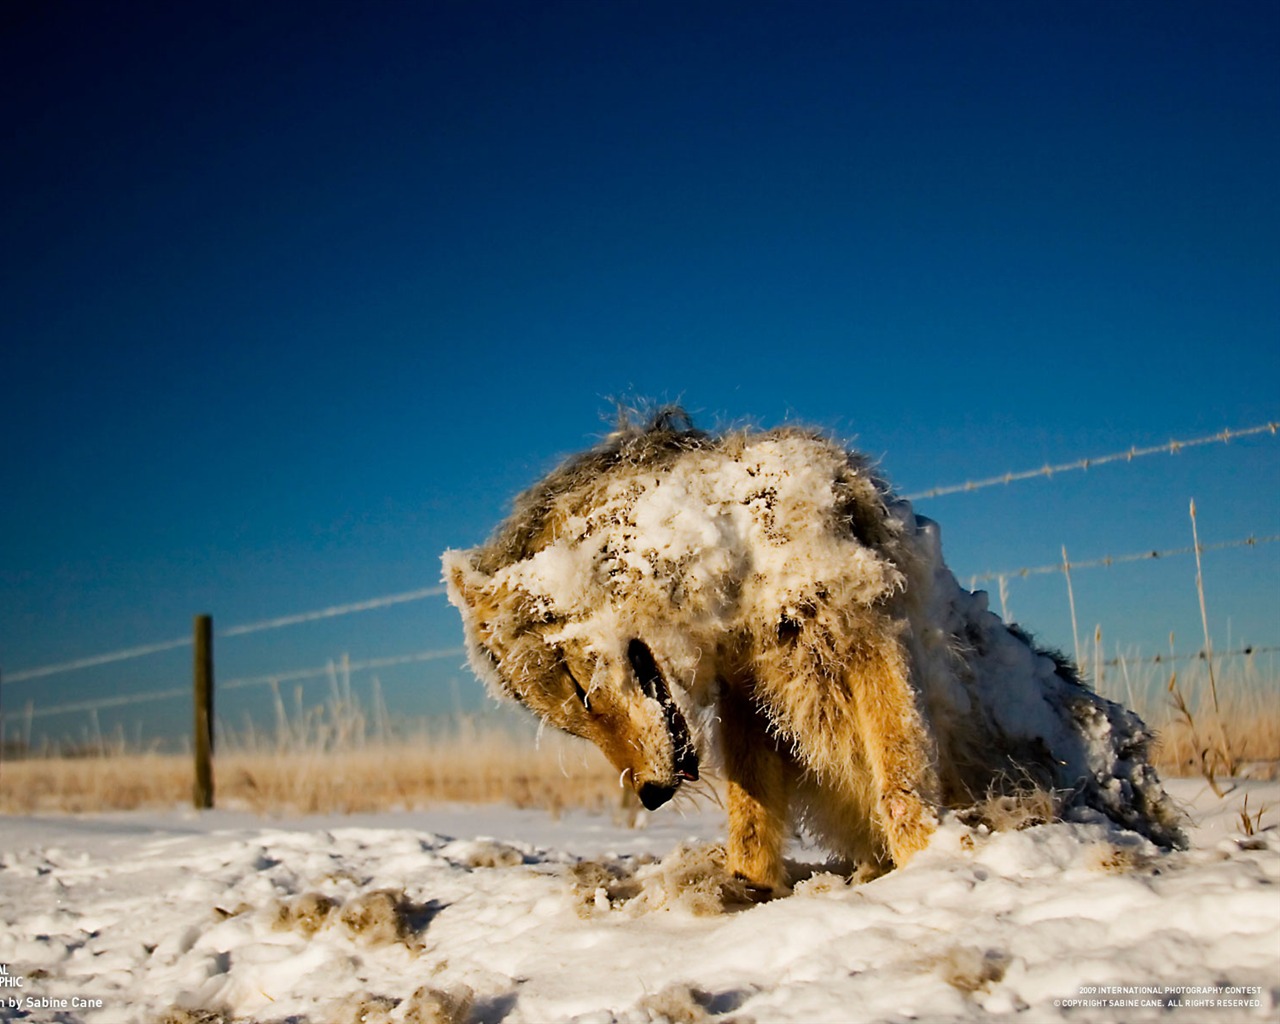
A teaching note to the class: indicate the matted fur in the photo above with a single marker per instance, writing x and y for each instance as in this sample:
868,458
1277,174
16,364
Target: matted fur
763,601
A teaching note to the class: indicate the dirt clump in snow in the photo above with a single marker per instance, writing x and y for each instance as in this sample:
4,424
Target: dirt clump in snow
306,914
484,853
429,1005
384,916
179,1016
379,917
364,1008
1115,858
692,878
971,970
677,1003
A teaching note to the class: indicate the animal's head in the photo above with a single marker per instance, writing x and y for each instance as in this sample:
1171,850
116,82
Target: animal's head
590,675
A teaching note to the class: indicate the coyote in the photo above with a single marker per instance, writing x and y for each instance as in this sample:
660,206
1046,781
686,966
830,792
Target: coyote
761,602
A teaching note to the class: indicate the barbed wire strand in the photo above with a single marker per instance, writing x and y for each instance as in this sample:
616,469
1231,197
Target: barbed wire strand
353,666
336,610
424,592
1200,655
1109,560
101,702
97,659
250,627
1221,437
1171,447
402,659
293,675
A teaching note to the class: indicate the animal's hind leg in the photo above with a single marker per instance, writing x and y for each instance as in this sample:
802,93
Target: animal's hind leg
760,780
897,745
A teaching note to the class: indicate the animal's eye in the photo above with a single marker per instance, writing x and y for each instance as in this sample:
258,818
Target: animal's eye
646,669
577,688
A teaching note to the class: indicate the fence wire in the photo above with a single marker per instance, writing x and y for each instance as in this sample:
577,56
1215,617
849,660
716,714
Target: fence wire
336,610
99,703
241,630
290,676
1106,561
1200,655
94,660
1172,448
353,666
317,672
1135,452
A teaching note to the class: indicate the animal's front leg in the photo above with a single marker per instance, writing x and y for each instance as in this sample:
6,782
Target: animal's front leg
898,747
760,779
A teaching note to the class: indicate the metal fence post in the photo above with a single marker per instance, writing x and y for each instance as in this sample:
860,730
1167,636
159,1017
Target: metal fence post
202,793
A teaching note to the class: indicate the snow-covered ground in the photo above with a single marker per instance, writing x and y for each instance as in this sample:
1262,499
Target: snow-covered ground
419,917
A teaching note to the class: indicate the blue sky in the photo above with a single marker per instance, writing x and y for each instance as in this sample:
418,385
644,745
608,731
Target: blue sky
294,299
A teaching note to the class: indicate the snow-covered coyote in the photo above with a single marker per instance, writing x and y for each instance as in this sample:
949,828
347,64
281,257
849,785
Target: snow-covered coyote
763,600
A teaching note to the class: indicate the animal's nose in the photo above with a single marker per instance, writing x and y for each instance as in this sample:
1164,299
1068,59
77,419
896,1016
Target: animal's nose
654,796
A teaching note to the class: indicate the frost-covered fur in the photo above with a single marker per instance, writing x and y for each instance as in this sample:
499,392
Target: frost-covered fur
763,599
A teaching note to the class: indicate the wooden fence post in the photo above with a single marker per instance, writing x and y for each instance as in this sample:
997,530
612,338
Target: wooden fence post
202,793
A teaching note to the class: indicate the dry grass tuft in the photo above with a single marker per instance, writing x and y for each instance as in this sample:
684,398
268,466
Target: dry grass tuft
1011,811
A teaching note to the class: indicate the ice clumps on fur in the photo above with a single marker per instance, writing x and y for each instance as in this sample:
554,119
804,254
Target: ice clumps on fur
1030,710
709,534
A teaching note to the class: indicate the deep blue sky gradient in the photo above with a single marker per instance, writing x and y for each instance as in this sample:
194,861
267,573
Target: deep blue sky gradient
295,297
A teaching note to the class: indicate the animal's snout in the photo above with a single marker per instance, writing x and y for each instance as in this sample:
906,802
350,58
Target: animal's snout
654,796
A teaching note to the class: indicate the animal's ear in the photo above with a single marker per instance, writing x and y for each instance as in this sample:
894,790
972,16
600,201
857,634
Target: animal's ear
464,582
472,592
485,603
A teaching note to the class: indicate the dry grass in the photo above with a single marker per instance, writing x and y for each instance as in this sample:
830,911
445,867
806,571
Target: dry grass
496,767
552,774
1214,725
1185,747
341,758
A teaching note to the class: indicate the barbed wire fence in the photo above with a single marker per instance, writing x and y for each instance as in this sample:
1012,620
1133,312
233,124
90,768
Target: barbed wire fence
1091,462
1002,577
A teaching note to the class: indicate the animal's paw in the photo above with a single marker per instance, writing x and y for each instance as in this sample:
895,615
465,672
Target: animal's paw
908,824
756,892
